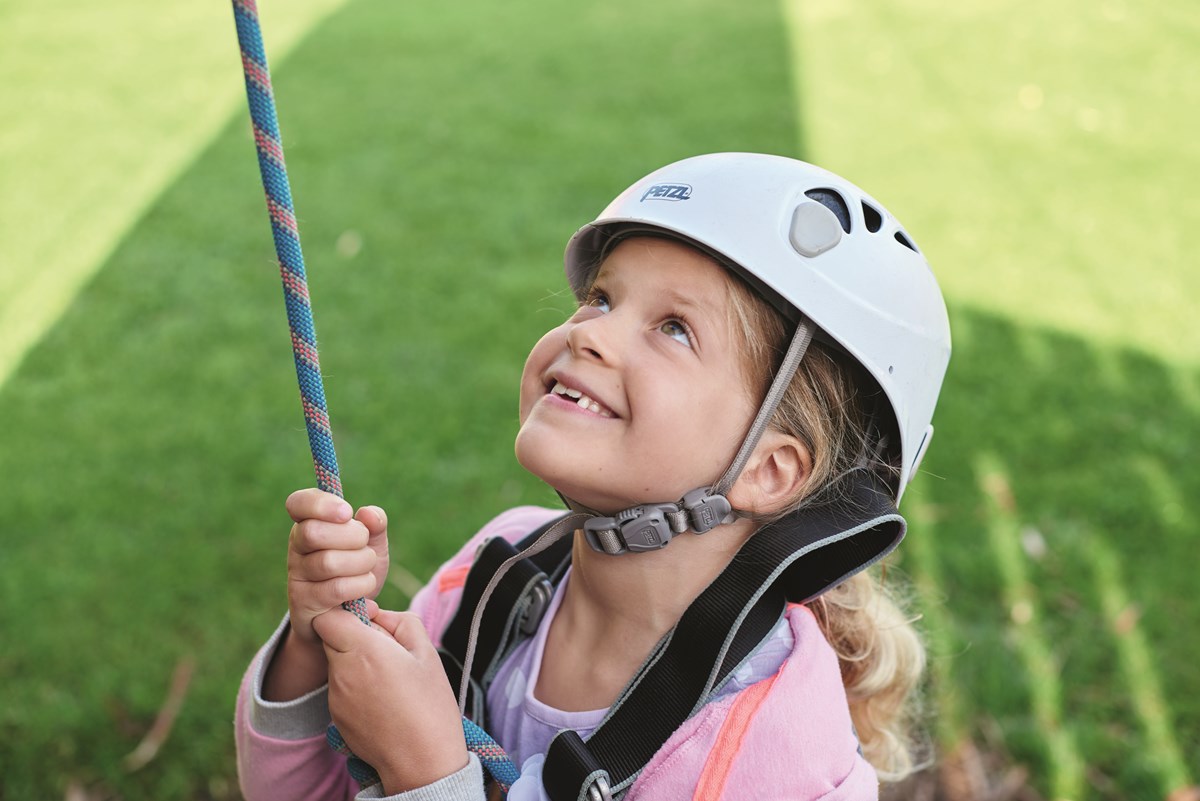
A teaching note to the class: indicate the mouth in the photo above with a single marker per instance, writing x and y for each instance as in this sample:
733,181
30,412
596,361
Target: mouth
583,401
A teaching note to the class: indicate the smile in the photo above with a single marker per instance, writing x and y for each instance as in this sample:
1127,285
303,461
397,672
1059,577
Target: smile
581,400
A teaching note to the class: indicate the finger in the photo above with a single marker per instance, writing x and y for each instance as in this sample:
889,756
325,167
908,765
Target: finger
313,535
328,564
374,518
314,503
335,591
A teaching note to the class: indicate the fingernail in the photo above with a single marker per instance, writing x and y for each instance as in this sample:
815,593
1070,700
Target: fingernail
345,512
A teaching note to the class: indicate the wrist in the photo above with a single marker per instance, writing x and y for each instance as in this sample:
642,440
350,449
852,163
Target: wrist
418,773
297,668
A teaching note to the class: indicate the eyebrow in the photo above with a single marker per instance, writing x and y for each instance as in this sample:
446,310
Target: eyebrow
702,308
689,304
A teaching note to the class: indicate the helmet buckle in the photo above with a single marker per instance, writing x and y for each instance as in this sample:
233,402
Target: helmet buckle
639,529
705,510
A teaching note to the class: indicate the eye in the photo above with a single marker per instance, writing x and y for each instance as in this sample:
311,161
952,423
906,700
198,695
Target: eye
598,300
677,330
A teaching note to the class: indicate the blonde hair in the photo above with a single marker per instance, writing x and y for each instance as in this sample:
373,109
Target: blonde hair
828,407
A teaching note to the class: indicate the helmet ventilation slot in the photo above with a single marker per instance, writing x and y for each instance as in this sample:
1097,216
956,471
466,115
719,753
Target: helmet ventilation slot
835,203
903,239
872,216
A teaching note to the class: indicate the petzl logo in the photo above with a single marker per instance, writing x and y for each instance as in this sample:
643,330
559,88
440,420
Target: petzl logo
668,192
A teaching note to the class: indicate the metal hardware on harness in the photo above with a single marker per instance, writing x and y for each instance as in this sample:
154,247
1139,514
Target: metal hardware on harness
483,543
706,511
599,790
539,602
642,528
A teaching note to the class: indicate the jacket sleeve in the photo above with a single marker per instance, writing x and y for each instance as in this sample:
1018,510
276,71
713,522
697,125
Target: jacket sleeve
281,748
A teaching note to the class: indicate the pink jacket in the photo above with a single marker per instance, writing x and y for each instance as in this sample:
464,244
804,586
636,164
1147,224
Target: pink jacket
786,737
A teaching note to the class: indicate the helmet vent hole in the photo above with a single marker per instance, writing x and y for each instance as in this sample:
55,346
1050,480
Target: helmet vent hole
872,216
903,239
835,203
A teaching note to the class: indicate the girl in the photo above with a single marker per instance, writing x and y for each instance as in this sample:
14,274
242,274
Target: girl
732,413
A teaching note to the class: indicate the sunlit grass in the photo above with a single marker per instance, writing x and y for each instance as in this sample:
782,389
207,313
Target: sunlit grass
103,105
1034,150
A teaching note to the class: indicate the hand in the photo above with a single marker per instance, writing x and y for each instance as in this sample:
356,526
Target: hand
332,557
390,699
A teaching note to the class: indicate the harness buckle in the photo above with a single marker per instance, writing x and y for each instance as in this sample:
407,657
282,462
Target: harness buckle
706,511
599,790
539,600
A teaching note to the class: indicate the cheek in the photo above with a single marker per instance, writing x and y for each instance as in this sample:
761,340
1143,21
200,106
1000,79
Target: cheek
536,364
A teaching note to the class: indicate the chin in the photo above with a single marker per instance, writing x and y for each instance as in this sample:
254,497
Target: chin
556,467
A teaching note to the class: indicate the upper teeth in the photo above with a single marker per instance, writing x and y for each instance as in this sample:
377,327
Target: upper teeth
582,400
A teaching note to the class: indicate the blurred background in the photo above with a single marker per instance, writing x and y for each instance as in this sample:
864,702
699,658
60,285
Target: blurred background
1042,154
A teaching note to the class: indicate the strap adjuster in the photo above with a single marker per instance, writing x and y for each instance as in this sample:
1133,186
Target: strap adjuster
706,511
539,600
642,528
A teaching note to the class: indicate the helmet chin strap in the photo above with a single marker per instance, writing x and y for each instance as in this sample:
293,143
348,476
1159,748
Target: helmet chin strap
650,526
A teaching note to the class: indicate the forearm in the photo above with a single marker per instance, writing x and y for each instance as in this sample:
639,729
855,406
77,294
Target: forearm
281,748
296,669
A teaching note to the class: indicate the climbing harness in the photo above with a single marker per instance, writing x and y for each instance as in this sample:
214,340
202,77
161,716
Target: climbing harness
792,560
286,234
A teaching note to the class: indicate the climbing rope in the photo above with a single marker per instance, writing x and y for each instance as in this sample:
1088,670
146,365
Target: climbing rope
304,344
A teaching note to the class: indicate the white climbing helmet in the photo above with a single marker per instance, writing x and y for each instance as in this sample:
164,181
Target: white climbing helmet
819,244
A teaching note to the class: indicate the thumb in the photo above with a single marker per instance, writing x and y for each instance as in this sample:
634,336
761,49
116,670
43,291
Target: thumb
340,630
406,628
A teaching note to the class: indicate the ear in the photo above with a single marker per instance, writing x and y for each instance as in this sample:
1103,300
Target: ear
773,476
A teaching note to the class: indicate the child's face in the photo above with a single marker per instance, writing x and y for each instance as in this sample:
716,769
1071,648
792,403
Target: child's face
653,356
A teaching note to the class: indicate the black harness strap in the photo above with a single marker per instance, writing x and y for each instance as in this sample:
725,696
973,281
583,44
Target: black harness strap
504,610
795,559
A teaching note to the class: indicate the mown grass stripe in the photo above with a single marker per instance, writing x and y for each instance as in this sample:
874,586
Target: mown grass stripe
1067,767
920,546
1133,650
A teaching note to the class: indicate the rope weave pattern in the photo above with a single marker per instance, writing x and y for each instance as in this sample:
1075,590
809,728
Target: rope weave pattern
286,233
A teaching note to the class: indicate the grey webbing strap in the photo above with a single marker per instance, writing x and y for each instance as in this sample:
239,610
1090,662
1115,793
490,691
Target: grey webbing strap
791,362
554,533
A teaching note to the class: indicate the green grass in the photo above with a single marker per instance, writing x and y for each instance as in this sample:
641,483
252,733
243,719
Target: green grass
154,430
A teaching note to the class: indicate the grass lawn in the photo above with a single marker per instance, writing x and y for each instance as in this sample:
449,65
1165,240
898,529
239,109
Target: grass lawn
440,157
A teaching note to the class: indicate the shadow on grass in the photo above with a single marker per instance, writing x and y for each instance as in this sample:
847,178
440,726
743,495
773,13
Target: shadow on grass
1056,530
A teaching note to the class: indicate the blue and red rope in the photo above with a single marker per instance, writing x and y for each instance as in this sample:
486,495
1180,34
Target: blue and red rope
286,233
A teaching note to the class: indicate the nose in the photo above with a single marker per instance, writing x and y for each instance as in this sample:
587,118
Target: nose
595,338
